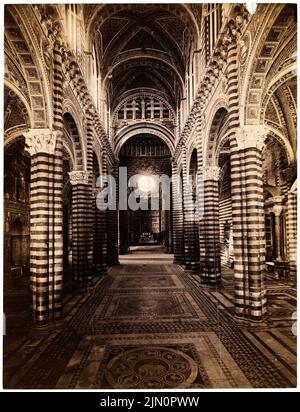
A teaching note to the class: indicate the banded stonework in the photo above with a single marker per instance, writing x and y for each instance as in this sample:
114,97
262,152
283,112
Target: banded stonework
202,94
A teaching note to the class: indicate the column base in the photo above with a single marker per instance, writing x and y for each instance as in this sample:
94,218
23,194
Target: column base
100,270
39,331
178,260
192,267
248,318
293,272
210,280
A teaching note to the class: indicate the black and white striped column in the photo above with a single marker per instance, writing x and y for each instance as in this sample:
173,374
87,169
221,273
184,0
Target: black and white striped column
46,251
55,200
113,223
248,223
209,234
291,227
82,249
247,202
178,232
191,236
101,227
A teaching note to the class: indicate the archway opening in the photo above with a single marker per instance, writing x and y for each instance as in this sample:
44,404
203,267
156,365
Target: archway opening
278,177
225,213
16,238
147,221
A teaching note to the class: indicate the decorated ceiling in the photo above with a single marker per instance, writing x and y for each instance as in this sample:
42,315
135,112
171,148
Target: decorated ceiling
142,46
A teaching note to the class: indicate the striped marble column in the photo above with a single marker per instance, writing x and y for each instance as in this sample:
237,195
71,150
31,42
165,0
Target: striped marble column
178,233
247,202
209,234
291,227
101,229
90,199
248,223
56,221
113,225
168,245
46,251
123,230
200,191
100,241
190,225
81,229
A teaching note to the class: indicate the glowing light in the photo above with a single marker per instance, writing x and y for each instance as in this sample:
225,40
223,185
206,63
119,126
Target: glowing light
145,183
251,7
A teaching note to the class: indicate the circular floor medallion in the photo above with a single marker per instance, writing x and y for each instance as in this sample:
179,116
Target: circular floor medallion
151,368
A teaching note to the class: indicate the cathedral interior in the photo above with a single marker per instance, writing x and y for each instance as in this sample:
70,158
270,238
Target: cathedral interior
150,299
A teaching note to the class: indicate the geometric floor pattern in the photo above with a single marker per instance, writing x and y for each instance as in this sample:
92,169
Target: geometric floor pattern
149,325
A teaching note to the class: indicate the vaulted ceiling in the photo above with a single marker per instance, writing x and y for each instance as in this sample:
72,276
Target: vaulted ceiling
281,111
142,46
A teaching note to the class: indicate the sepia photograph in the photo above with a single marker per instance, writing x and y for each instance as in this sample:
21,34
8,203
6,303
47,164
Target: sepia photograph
149,198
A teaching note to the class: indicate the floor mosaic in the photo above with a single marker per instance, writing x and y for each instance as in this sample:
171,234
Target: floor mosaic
147,324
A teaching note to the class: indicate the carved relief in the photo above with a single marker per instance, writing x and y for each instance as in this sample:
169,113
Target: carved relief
40,141
79,177
211,173
251,136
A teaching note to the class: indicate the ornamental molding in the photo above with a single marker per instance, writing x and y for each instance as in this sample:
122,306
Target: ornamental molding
79,177
41,141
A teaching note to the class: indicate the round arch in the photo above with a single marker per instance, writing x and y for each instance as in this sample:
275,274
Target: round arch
258,66
35,70
74,137
216,128
284,142
144,60
97,149
190,153
20,95
144,128
282,77
67,146
144,93
14,131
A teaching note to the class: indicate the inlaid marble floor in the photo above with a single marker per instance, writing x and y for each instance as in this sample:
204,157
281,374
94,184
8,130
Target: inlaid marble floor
147,324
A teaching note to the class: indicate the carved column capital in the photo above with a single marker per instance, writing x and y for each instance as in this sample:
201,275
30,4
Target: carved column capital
79,177
211,173
277,208
40,141
251,136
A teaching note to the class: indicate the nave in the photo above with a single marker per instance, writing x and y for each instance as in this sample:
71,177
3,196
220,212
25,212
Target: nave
148,325
203,94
